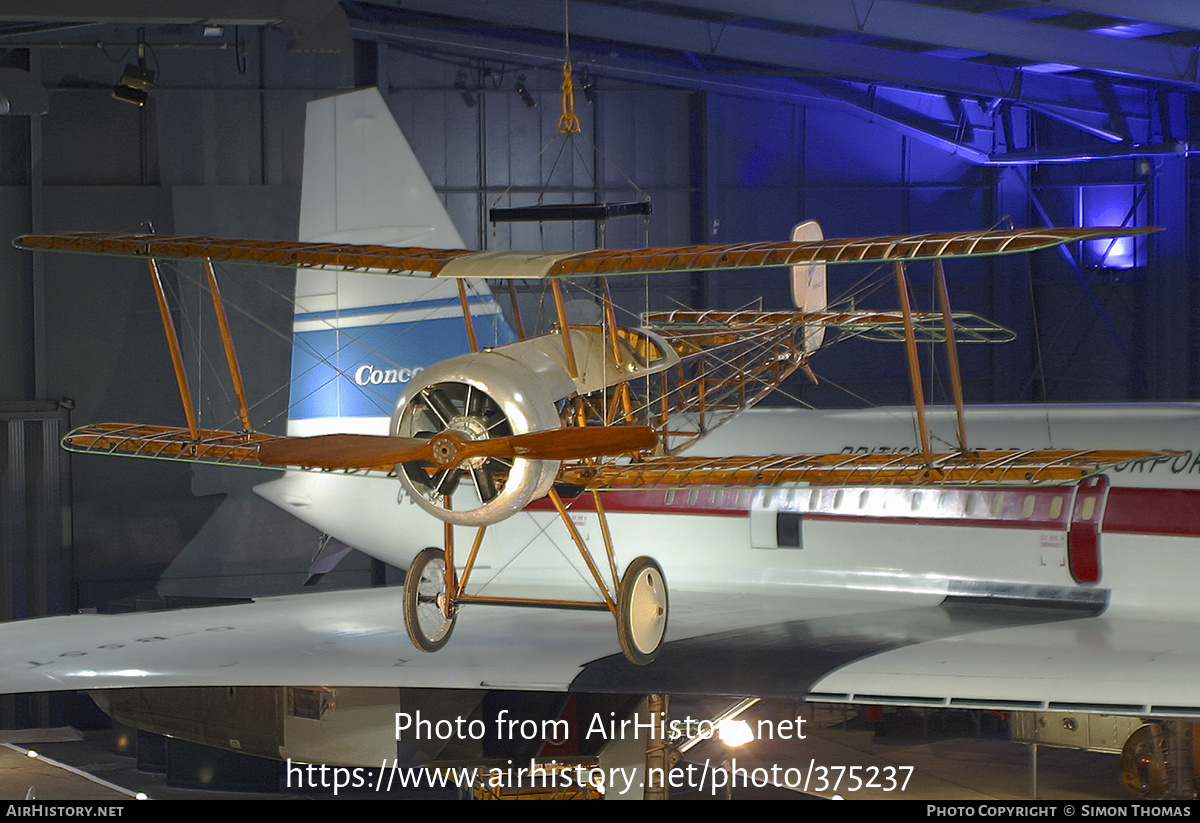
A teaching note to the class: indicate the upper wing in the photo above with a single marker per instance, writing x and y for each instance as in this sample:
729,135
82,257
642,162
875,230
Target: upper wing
537,265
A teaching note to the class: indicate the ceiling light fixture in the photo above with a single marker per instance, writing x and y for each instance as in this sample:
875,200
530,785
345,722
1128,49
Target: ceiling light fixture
526,97
134,85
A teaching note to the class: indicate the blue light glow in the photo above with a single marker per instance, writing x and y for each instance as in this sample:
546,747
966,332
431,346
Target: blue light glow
1131,30
1108,206
1049,68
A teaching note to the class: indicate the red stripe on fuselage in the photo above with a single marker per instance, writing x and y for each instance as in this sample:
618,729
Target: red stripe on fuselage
1171,512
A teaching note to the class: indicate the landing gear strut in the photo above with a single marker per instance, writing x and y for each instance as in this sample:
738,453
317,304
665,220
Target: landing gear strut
433,592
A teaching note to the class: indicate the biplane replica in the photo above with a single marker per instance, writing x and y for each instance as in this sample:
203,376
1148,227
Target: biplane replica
566,415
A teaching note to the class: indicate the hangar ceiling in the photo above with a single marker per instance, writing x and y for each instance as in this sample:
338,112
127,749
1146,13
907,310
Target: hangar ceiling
973,47
948,72
957,74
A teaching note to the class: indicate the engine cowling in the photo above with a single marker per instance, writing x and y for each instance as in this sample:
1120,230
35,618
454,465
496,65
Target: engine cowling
508,390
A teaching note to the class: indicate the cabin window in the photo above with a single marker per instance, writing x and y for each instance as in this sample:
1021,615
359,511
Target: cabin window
669,497
787,530
916,501
1089,508
997,504
943,501
972,500
1027,505
692,496
863,499
837,499
1056,505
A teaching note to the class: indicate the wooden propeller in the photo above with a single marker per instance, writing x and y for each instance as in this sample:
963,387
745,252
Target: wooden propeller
448,449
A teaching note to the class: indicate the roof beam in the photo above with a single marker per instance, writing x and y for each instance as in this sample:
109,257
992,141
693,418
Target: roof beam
311,25
899,118
1035,42
1056,96
1168,12
782,52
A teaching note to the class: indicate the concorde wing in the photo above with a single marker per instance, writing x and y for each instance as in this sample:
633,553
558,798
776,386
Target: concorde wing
833,646
460,263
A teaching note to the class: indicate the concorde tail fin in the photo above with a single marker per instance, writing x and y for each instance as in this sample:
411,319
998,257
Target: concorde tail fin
358,338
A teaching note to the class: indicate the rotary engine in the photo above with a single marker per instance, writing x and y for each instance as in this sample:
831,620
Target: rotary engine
513,389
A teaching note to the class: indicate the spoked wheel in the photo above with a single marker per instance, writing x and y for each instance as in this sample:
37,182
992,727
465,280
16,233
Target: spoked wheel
642,611
424,598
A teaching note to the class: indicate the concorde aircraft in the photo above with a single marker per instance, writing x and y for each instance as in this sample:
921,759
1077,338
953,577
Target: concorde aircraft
1006,593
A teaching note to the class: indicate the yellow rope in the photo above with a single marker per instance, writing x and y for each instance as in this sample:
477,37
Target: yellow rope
568,122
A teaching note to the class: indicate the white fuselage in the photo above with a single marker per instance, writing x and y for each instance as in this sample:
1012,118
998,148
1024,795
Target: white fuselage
919,544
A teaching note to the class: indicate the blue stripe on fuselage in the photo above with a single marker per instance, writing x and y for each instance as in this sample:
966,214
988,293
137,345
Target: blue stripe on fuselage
359,372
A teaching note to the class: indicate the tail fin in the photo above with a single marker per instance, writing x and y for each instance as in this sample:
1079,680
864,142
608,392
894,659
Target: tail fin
358,338
808,284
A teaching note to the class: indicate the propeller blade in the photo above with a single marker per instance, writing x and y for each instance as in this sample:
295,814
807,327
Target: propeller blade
368,451
344,451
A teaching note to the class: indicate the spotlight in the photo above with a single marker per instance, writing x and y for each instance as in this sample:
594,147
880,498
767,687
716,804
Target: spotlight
135,83
464,91
526,97
734,733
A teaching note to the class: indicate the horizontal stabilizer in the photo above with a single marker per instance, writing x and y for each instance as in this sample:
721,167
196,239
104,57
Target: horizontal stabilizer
888,327
882,326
